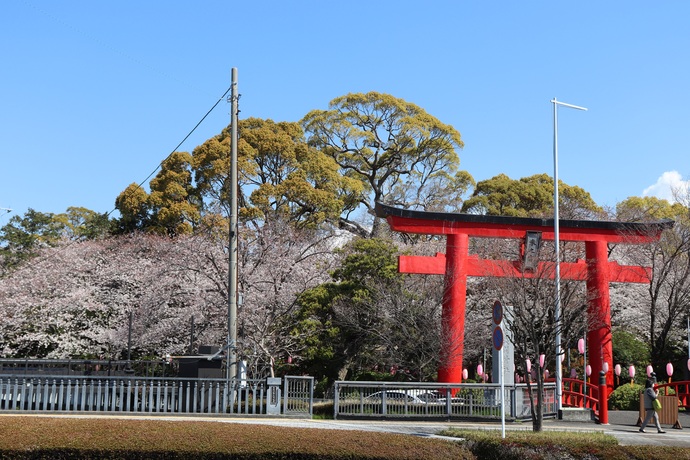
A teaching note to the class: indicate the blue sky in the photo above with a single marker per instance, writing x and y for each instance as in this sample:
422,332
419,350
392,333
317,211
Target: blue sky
95,94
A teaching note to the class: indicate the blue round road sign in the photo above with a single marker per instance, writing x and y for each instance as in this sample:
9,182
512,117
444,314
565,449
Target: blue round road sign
497,338
497,312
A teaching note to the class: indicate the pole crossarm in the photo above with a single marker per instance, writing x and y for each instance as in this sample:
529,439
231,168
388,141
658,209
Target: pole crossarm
474,266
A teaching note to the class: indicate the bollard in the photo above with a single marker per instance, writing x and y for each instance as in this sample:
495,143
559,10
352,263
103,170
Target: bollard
603,399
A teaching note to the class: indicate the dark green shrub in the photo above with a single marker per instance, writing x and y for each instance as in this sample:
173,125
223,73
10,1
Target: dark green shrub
323,410
626,397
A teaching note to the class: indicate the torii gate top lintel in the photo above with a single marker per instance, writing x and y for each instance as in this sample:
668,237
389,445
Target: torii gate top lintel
442,223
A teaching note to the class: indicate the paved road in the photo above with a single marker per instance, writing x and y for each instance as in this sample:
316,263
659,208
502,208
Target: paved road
622,425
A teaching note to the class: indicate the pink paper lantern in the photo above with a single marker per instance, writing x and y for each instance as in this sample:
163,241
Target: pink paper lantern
546,374
581,346
464,374
631,371
650,369
669,369
573,373
480,370
562,358
528,365
605,367
541,360
689,364
617,369
588,370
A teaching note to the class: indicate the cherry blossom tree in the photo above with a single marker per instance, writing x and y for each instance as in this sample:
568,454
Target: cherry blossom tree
278,263
75,300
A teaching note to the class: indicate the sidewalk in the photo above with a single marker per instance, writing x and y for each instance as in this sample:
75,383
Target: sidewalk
622,425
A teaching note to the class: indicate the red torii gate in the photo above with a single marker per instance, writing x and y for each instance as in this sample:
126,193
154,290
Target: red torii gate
457,264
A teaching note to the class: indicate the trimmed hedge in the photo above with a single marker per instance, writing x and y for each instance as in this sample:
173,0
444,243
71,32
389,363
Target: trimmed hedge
108,438
547,445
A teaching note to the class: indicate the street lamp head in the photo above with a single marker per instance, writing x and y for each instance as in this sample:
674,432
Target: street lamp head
554,101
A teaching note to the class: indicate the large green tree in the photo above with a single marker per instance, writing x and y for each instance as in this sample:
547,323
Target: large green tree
400,154
80,223
279,174
371,319
640,209
173,206
24,235
529,197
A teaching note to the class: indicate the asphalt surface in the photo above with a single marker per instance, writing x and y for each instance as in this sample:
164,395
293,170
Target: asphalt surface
622,425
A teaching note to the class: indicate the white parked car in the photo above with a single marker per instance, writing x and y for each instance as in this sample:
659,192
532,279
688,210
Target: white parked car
393,396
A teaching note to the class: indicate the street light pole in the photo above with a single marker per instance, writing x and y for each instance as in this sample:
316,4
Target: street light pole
556,242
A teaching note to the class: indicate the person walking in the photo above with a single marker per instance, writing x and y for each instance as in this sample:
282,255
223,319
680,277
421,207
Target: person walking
650,394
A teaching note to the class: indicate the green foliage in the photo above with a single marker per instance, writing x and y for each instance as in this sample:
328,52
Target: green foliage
367,259
529,197
626,397
393,148
629,350
279,172
84,224
134,210
173,203
366,321
172,208
641,209
21,237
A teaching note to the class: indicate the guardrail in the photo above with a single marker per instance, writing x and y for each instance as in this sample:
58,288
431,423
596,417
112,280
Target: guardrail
435,400
578,393
149,395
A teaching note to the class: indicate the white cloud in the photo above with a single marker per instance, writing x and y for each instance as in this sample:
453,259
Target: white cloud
668,184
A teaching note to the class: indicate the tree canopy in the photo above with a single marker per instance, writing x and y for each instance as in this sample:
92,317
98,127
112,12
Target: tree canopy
396,150
529,197
279,174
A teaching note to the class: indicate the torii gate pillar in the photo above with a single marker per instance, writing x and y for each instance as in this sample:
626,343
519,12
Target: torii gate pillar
599,308
453,313
457,264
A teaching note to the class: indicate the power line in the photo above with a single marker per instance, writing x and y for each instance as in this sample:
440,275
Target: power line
34,263
181,142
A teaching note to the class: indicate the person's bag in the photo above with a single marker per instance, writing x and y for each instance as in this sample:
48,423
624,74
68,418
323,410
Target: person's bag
656,404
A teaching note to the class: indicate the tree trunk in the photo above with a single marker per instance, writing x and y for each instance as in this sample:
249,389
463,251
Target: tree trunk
538,419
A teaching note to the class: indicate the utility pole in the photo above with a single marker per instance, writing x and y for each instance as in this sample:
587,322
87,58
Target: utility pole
231,363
